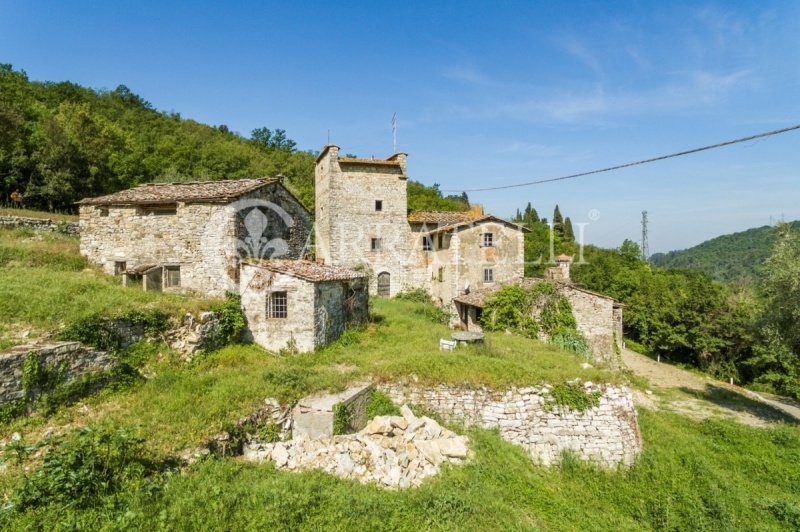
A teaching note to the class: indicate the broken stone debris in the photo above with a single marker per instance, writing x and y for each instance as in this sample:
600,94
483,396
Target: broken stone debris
391,451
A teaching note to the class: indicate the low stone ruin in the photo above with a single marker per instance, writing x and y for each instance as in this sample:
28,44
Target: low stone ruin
391,451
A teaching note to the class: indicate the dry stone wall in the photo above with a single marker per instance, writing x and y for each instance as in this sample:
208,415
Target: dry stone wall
40,224
607,434
76,360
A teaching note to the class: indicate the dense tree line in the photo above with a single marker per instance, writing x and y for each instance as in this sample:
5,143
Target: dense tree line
60,142
736,258
750,333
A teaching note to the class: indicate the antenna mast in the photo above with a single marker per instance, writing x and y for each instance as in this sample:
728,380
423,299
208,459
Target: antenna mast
645,245
394,133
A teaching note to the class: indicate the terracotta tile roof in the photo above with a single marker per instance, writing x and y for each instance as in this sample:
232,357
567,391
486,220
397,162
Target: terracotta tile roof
476,297
192,191
379,162
476,221
440,217
307,270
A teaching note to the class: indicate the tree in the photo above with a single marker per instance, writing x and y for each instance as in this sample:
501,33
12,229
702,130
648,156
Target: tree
558,222
270,140
569,236
782,287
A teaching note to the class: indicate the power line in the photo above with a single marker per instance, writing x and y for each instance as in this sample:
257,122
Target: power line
644,161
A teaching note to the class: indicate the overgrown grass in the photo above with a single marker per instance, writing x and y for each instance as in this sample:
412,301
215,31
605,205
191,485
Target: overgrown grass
45,284
28,213
711,475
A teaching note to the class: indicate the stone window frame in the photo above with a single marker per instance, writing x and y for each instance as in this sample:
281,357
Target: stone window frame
376,244
378,205
488,275
277,305
170,279
487,240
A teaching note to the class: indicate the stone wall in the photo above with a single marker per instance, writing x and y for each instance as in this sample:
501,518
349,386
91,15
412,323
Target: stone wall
206,240
607,434
317,312
347,219
40,224
598,321
77,360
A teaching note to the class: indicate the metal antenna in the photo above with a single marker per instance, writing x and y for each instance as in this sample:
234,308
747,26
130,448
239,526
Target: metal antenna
394,133
645,245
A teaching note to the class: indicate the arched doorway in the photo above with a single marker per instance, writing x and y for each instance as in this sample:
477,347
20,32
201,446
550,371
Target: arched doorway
384,284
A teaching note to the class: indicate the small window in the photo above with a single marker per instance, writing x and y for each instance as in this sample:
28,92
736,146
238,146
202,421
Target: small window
488,240
120,267
440,277
103,211
159,210
488,275
377,244
427,243
172,276
277,305
378,205
441,240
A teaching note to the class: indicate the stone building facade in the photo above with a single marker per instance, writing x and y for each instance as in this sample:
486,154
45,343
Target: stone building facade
598,317
192,236
362,221
298,304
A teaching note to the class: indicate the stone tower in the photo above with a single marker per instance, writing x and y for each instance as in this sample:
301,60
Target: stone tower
362,217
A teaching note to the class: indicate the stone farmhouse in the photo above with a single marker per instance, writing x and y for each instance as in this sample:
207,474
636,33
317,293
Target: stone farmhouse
363,222
300,304
192,236
598,317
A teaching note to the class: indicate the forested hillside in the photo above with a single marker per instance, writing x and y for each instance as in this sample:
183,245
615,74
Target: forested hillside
748,333
734,258
60,142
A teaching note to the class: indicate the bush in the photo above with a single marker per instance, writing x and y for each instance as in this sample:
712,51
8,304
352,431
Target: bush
231,319
84,467
381,405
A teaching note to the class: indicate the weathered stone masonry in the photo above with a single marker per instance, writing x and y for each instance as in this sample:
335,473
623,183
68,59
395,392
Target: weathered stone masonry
76,359
607,434
40,224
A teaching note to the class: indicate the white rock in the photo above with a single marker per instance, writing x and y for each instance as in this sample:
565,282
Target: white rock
378,425
406,412
453,447
280,455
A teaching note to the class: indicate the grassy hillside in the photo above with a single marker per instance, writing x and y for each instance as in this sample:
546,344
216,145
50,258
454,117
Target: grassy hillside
710,474
734,258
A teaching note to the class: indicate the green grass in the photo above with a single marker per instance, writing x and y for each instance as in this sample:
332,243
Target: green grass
183,405
45,284
711,475
28,213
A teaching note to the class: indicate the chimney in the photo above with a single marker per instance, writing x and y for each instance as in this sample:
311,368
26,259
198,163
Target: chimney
329,150
400,157
563,262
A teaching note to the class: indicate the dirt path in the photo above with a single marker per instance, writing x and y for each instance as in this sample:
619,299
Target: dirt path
700,397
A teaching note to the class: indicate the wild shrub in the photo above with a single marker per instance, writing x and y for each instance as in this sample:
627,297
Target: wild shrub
82,468
231,319
380,404
534,311
573,396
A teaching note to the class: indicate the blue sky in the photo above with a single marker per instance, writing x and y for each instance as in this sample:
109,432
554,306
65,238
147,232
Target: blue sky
486,93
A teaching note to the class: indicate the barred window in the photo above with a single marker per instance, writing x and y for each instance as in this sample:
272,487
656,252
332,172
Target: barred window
488,240
277,305
488,275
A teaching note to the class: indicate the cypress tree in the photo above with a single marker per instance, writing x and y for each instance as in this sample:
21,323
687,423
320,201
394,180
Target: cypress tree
558,221
569,235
